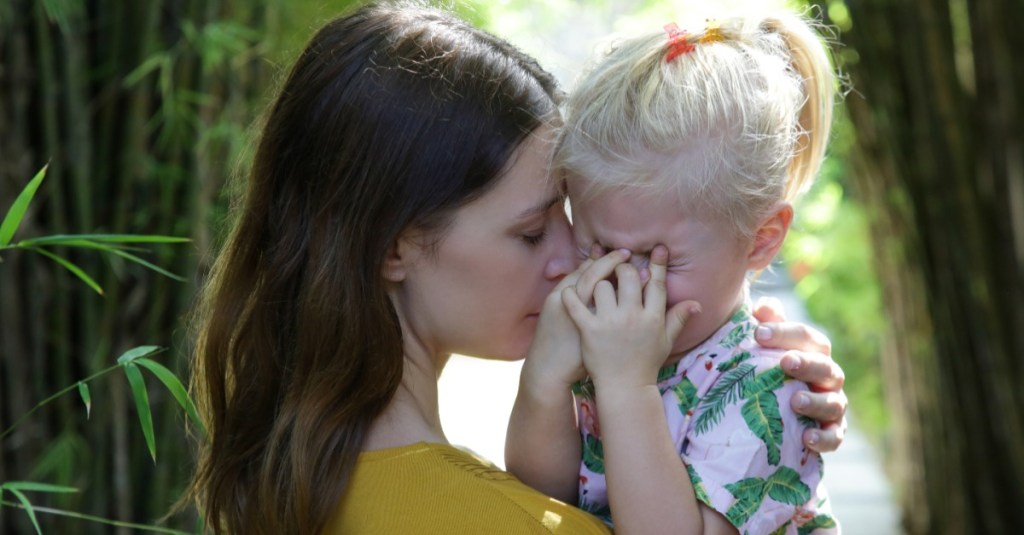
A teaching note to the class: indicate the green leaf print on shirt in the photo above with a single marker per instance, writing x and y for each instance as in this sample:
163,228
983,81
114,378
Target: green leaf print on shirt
782,529
737,335
593,455
728,389
686,391
734,361
698,486
783,486
820,521
761,413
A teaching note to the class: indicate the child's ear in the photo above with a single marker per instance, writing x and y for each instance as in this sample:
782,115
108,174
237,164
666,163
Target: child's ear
769,237
400,257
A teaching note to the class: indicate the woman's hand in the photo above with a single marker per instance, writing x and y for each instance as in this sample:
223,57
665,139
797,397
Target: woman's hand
808,359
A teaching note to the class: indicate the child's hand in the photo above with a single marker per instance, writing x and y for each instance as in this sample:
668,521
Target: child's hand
554,357
628,336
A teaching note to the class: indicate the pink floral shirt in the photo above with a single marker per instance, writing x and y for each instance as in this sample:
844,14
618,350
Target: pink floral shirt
727,404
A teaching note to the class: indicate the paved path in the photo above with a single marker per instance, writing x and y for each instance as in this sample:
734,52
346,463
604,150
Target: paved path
476,398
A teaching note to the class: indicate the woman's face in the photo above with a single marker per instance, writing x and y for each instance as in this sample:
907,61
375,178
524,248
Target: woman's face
481,291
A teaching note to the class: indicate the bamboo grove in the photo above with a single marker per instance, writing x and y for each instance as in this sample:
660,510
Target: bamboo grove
937,108
142,110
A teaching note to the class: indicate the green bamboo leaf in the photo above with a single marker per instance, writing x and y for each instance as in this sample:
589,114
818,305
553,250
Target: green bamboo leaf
749,494
83,390
138,385
762,416
77,271
106,238
593,455
151,64
177,389
61,11
84,244
154,267
137,353
17,211
784,486
38,487
28,508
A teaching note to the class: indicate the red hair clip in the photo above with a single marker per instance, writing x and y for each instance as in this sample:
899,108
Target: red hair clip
677,42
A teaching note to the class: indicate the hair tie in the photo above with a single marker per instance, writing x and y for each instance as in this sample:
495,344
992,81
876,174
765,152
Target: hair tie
712,33
677,42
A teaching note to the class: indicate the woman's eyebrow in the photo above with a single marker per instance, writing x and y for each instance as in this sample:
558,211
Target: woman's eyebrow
539,208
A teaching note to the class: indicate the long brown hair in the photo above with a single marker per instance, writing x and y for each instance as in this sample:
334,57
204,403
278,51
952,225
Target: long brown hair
393,117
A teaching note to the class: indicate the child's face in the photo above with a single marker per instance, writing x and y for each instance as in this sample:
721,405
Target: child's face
707,262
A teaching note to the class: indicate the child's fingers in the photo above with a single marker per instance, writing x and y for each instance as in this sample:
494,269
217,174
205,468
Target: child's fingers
677,316
654,294
629,292
578,312
604,295
600,270
574,277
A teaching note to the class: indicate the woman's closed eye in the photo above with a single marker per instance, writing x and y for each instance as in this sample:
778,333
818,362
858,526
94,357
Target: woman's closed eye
534,238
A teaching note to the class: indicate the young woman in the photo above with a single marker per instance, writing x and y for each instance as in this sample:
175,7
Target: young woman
399,210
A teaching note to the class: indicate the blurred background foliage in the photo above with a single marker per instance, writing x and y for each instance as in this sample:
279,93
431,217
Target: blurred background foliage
908,250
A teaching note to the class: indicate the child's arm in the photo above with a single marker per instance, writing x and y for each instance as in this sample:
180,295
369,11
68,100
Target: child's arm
542,447
623,344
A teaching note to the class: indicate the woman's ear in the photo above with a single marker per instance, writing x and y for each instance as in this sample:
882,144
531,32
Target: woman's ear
399,258
769,237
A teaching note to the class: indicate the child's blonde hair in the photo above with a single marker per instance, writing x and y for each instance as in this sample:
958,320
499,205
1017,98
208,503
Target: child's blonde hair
735,125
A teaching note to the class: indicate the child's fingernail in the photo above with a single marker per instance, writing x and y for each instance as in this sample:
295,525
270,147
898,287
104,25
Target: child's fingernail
763,334
802,402
815,437
625,252
694,309
790,363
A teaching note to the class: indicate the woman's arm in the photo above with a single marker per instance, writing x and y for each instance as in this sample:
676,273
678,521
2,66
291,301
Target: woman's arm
542,446
807,360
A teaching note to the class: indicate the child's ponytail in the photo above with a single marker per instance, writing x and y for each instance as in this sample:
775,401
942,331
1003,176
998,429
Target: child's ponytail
810,59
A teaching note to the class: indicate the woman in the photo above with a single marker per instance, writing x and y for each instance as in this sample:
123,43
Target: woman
399,210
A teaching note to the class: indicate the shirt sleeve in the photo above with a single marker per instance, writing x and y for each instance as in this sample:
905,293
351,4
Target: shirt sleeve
744,449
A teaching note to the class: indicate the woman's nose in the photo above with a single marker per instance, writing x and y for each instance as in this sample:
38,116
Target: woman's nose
562,260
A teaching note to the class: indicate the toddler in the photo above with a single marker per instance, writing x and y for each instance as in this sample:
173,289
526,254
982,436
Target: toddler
682,150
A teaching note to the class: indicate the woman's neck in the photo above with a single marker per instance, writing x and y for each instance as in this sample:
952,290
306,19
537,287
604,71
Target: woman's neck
412,415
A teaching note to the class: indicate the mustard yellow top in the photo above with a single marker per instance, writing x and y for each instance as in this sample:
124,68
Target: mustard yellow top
436,488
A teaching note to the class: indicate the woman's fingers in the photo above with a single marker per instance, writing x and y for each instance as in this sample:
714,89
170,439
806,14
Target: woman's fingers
826,439
817,370
792,335
769,309
825,407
